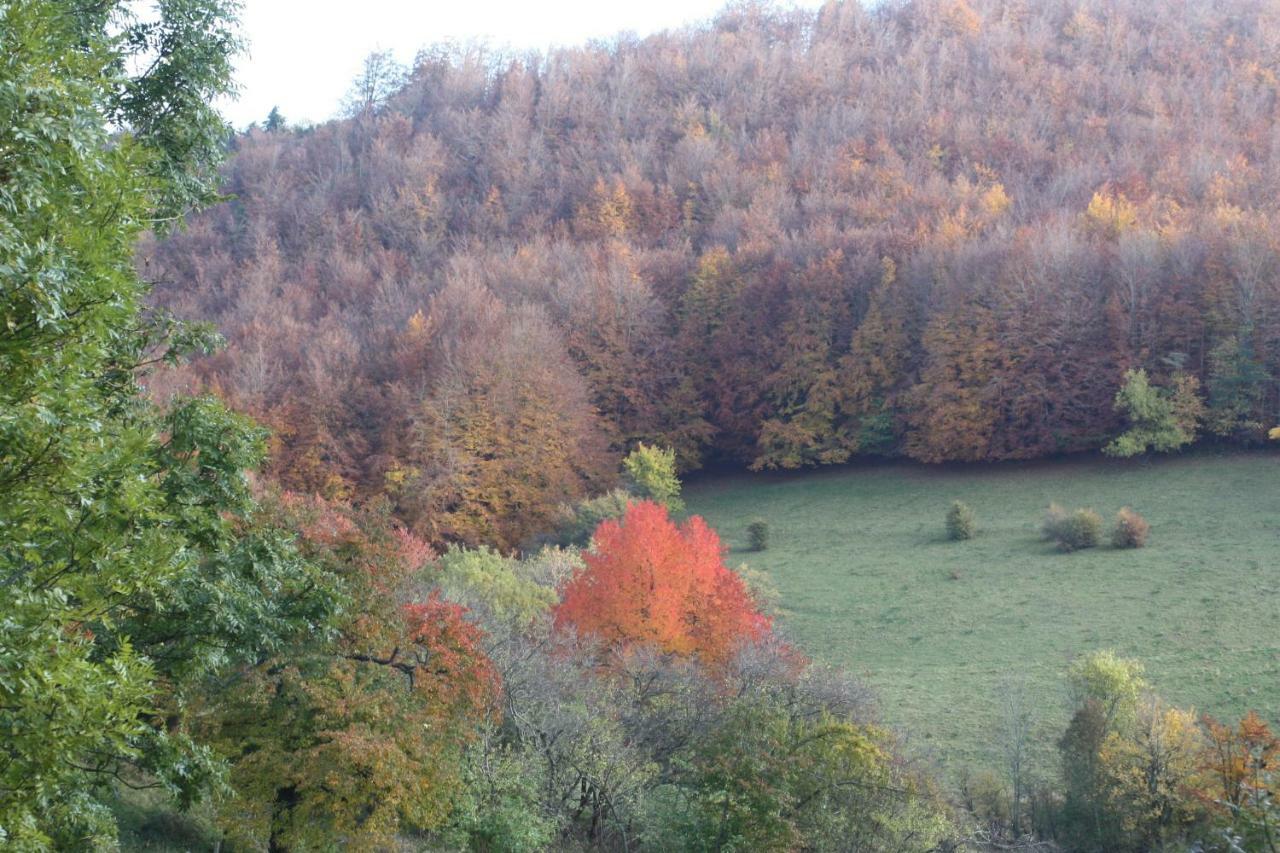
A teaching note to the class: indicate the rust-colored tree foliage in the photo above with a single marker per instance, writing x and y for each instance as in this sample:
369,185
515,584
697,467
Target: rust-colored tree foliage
1239,760
650,582
504,435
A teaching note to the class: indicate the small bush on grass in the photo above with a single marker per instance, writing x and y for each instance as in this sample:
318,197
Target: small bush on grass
758,534
1131,530
1054,518
961,522
1081,529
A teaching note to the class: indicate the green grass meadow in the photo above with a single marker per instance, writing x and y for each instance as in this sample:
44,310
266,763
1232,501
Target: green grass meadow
869,581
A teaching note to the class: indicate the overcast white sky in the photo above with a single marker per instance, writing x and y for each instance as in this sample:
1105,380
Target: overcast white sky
303,54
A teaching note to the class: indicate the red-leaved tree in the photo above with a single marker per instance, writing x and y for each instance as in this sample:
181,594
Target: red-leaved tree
650,582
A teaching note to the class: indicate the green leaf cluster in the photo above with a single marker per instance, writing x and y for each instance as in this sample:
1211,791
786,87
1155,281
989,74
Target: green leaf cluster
651,472
130,562
1160,419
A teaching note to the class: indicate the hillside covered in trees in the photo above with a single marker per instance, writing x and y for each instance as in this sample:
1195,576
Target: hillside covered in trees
406,563
940,229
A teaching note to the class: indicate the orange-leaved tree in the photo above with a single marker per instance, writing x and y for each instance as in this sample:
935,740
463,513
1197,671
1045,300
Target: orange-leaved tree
648,581
1238,760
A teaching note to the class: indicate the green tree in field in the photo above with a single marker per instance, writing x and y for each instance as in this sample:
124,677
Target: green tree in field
129,561
652,474
1160,419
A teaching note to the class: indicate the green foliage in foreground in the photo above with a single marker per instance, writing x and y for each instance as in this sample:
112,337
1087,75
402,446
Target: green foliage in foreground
865,583
768,780
129,562
481,578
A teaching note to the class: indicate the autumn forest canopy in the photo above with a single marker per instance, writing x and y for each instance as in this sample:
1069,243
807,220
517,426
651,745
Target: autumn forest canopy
340,465
940,230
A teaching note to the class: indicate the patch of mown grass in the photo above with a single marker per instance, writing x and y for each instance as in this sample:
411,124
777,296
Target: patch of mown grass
868,581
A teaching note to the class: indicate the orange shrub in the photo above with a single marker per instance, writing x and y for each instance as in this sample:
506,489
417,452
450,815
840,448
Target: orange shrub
1131,530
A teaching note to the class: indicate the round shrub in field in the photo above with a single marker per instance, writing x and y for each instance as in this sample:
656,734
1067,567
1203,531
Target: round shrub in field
758,534
1081,529
1131,530
1054,518
961,522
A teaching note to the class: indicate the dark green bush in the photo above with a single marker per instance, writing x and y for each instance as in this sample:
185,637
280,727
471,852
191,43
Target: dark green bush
1131,530
758,534
961,522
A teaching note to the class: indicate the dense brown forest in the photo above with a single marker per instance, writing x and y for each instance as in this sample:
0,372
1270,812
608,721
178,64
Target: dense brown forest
936,229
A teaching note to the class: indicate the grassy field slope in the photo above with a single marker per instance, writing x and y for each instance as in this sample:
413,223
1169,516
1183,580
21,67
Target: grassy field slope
869,581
